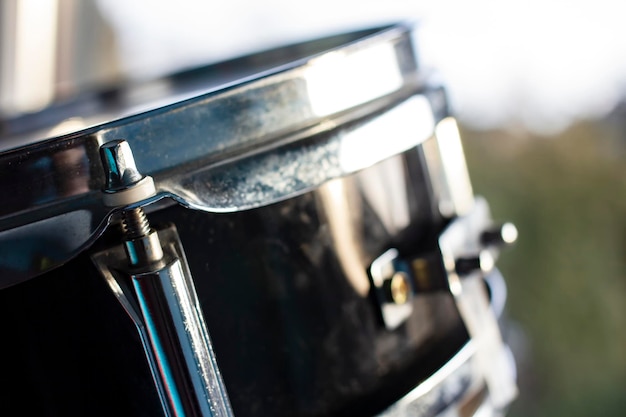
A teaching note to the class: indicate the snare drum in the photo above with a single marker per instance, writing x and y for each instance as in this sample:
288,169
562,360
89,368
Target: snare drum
291,233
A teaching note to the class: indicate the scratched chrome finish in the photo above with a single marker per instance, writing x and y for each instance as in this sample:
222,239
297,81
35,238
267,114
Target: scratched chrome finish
212,138
272,174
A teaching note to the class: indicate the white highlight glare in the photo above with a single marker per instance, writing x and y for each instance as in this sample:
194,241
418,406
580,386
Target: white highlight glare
401,128
339,80
453,181
509,233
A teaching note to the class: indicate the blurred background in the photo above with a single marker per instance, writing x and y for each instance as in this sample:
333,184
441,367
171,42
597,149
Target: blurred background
539,89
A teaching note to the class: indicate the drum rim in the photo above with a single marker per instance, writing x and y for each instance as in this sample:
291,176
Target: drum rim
83,213
124,86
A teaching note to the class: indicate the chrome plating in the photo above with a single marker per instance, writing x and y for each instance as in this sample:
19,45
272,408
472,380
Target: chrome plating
440,393
464,262
461,380
460,244
449,391
216,143
124,184
158,280
383,272
161,300
448,171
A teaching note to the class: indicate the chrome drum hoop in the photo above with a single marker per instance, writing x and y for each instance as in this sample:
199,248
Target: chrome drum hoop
213,138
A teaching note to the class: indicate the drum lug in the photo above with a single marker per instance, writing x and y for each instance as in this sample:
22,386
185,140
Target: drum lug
469,249
466,255
149,275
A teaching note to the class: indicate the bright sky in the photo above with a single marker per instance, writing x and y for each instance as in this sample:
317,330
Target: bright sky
536,63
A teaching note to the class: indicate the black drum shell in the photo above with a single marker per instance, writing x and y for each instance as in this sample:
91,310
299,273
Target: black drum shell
293,334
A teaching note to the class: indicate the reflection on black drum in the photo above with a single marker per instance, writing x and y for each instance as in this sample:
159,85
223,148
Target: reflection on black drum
291,233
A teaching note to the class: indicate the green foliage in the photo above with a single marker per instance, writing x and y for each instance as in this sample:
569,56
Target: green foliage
567,274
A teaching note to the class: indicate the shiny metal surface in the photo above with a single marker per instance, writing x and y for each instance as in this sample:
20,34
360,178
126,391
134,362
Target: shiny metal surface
181,358
383,272
144,249
448,171
161,300
285,294
333,140
442,393
234,136
119,166
461,265
457,389
500,235
124,185
482,263
461,242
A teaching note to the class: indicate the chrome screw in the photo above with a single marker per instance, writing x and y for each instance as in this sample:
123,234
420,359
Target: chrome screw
501,235
126,185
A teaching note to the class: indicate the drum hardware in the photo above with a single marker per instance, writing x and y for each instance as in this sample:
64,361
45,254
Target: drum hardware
220,149
468,249
500,236
124,184
460,242
151,279
458,388
397,279
309,189
445,162
482,263
383,272
399,288
448,392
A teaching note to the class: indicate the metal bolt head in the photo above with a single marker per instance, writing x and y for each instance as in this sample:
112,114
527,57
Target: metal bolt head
124,183
502,235
484,263
509,234
399,288
119,165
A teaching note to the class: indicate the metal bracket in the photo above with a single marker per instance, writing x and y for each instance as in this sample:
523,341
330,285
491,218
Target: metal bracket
467,259
164,307
149,275
468,249
393,288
